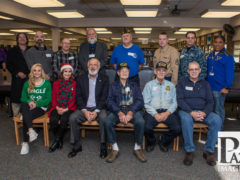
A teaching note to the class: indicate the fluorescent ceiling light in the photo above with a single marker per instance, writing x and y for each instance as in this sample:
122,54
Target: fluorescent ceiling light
47,39
143,39
180,32
141,2
73,39
142,32
21,30
104,32
6,34
142,29
219,13
141,13
65,14
40,3
189,29
6,18
116,38
67,32
33,33
171,39
100,29
231,3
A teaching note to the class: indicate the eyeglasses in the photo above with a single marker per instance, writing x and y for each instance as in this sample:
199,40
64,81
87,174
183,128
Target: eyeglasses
194,69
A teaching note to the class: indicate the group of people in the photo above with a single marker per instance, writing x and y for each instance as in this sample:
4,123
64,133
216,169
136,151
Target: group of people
81,92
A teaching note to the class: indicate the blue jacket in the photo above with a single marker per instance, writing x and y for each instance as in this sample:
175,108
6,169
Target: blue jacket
115,94
194,97
220,70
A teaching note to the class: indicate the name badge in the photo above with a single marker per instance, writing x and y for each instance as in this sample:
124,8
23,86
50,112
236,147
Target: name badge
48,55
91,55
211,74
182,56
189,88
154,88
70,58
132,54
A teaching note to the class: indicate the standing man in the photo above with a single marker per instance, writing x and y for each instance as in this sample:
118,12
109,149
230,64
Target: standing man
92,49
169,55
125,102
160,103
17,66
220,74
196,102
129,53
40,54
91,94
190,54
65,55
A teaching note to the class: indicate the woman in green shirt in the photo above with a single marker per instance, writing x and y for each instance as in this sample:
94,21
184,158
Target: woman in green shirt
36,96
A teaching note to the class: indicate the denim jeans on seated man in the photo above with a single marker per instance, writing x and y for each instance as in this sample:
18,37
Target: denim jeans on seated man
112,119
214,125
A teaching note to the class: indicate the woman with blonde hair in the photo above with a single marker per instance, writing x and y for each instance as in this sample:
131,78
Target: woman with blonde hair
36,96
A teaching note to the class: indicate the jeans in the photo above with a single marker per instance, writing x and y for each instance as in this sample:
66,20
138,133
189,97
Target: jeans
212,120
112,119
219,100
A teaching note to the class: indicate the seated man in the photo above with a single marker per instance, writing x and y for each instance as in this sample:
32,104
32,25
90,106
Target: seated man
125,102
160,103
195,101
91,94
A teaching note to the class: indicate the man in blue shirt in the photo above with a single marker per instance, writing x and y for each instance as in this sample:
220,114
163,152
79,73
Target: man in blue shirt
220,74
195,101
129,53
160,103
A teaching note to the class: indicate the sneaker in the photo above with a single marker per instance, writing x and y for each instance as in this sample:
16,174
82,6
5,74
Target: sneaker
25,148
32,135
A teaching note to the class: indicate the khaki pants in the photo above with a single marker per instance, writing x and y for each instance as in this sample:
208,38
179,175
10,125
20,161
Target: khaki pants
16,108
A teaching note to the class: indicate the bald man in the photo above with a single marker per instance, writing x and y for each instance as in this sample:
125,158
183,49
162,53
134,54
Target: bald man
40,54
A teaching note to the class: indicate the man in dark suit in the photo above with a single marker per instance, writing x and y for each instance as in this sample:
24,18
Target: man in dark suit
92,49
91,94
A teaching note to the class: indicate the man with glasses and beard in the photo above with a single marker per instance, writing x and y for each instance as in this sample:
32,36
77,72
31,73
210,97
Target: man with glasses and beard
91,93
92,49
40,54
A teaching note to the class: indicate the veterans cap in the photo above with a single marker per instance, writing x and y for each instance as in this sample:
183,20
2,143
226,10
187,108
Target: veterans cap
161,64
126,30
122,65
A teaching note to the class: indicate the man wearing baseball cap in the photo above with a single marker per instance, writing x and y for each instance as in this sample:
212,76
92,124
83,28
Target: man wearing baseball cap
129,53
160,103
125,102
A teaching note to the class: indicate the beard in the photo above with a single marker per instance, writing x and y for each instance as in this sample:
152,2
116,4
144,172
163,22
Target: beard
39,42
92,40
94,73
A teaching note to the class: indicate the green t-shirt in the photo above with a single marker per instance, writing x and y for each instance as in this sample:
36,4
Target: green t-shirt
41,94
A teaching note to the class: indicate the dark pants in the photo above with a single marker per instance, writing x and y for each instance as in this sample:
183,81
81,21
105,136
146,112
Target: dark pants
64,119
77,118
112,119
172,122
131,79
28,117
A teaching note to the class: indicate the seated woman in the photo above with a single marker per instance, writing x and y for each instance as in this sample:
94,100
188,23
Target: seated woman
63,104
36,96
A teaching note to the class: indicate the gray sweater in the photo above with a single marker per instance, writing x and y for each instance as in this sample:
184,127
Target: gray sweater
42,56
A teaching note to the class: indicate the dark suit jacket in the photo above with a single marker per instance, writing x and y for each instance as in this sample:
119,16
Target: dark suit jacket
100,53
101,91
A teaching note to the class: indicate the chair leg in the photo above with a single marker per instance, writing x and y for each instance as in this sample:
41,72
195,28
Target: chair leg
200,135
44,134
83,133
109,146
177,144
47,134
174,144
143,143
16,132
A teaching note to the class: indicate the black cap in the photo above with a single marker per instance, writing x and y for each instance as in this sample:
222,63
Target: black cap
122,65
126,30
161,64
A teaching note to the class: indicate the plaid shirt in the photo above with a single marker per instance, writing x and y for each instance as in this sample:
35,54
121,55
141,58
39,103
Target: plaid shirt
60,57
127,98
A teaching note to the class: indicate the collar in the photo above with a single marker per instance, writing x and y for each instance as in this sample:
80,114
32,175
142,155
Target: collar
44,47
156,82
91,78
220,52
192,81
164,48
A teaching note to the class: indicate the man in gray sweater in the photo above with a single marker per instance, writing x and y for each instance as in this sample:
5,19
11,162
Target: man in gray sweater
40,54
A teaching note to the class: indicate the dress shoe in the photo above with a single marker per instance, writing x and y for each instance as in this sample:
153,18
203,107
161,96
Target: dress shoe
162,147
112,156
139,154
150,147
54,146
103,150
210,158
74,152
188,159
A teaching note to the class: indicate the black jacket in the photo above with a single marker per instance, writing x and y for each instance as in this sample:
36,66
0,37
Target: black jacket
101,91
16,63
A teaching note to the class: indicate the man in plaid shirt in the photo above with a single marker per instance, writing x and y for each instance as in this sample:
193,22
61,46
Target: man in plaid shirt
65,55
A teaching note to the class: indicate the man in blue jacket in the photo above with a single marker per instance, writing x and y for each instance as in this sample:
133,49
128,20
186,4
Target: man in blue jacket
220,74
125,102
195,101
